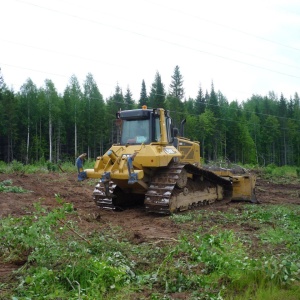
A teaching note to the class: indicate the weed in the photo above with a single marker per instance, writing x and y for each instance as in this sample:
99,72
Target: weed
6,187
17,167
51,167
183,218
3,167
298,172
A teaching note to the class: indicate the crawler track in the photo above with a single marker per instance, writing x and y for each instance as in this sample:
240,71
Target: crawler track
161,189
167,193
174,188
101,199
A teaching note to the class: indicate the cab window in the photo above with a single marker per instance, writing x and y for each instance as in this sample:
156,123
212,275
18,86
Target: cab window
135,132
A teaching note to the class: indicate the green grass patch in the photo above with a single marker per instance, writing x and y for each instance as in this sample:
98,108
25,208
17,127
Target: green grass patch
264,291
16,167
283,174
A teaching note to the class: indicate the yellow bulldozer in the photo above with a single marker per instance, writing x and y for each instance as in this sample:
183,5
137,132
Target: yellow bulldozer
153,163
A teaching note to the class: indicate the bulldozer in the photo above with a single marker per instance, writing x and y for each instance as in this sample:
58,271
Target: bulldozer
154,164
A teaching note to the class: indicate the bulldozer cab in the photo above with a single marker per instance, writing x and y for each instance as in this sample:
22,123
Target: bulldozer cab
145,126
135,131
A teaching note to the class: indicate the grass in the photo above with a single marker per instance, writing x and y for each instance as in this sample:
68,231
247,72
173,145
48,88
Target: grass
267,292
209,262
17,167
284,174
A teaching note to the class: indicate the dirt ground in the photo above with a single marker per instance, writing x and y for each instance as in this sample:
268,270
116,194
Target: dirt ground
141,227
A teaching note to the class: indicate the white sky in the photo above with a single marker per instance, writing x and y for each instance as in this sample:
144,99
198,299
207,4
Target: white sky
244,47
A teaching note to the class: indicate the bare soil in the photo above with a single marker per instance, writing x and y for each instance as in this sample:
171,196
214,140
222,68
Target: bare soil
138,225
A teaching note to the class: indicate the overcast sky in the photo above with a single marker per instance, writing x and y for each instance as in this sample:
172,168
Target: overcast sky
244,47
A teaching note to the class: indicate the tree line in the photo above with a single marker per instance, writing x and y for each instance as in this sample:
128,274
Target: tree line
38,124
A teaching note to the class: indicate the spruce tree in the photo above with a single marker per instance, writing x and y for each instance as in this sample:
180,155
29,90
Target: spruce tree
143,95
115,102
157,94
94,117
176,108
176,86
9,124
213,102
129,102
283,110
200,102
1,79
189,106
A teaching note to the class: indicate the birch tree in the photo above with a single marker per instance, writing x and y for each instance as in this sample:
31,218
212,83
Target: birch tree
94,117
28,106
72,100
52,106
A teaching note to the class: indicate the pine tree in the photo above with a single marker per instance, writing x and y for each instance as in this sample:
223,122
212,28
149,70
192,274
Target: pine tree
176,89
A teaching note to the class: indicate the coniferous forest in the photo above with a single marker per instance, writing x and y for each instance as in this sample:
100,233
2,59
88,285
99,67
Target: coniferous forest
39,124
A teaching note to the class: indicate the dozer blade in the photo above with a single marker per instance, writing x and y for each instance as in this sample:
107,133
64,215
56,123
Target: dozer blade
244,188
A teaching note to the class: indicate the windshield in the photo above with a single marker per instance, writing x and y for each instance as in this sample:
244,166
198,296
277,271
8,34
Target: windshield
135,131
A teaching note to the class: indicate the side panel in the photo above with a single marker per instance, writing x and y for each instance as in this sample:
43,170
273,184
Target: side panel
190,151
